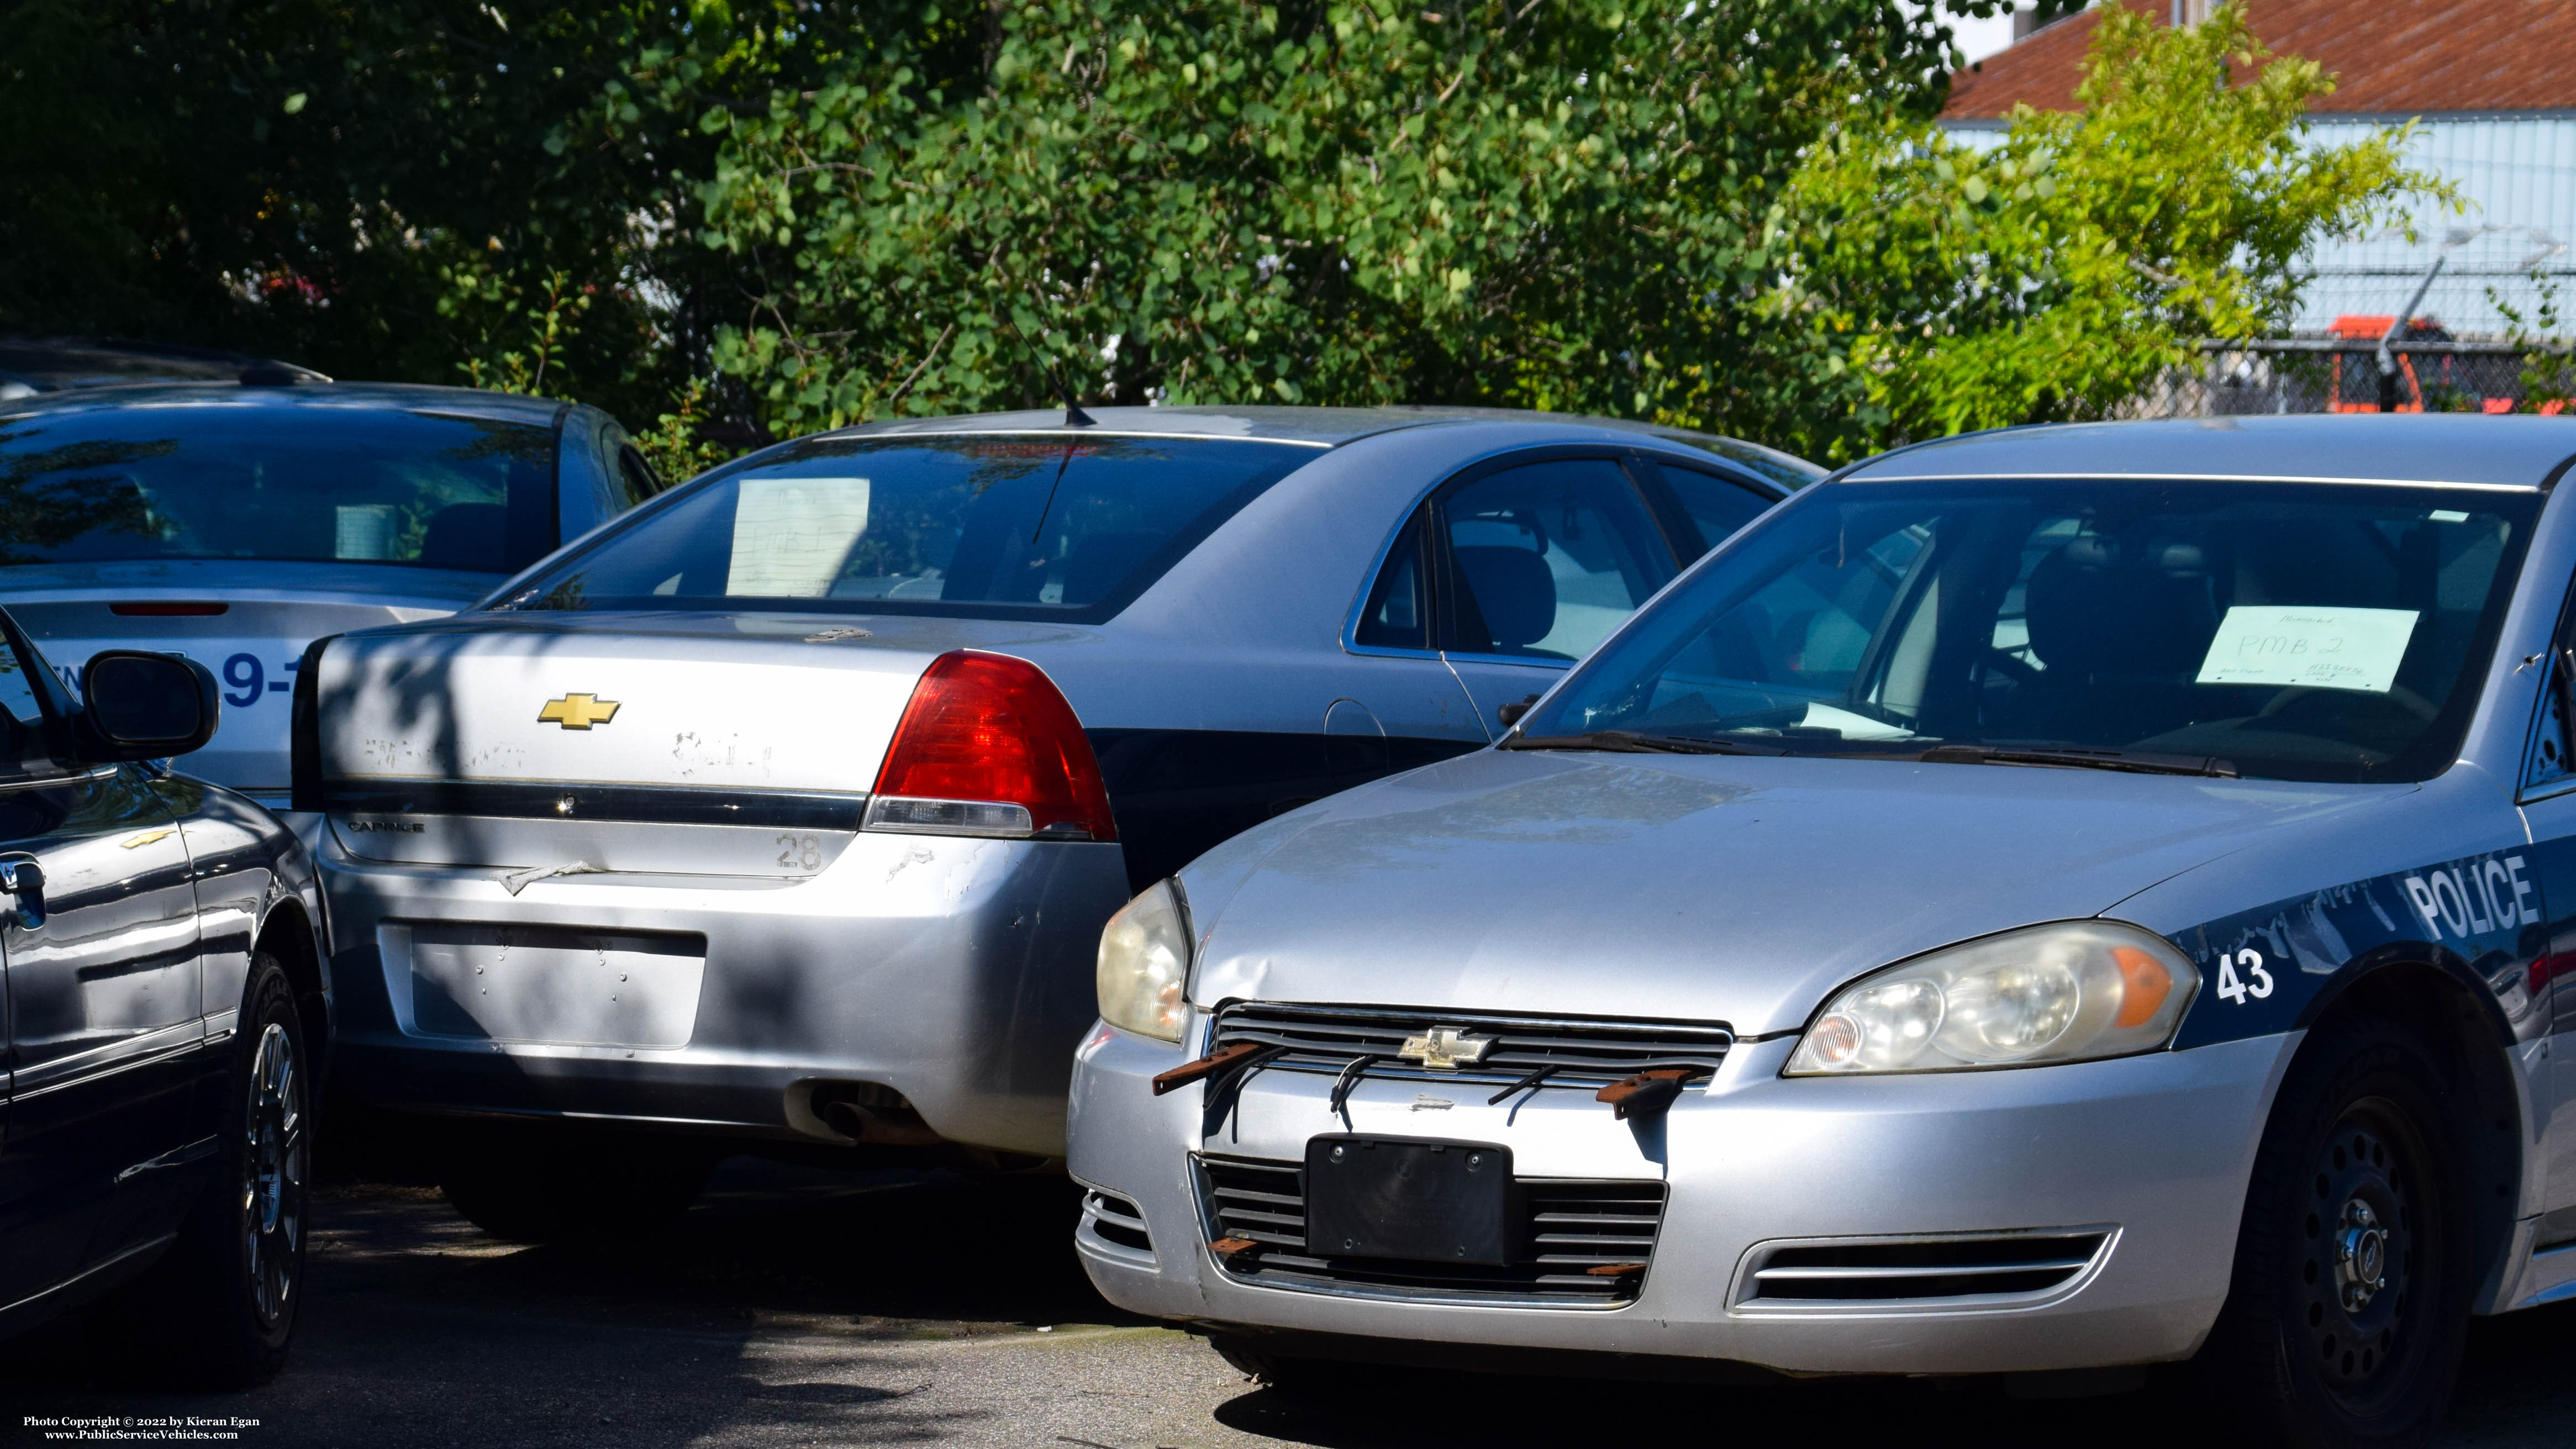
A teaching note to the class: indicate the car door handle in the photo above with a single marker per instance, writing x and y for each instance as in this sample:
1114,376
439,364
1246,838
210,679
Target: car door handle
25,880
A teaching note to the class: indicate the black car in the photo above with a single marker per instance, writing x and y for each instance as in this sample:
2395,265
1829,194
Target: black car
165,998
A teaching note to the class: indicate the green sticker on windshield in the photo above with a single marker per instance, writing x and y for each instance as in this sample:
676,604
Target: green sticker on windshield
2318,648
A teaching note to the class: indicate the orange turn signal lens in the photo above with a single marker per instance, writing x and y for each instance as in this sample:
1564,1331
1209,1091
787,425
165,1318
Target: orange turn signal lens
2145,983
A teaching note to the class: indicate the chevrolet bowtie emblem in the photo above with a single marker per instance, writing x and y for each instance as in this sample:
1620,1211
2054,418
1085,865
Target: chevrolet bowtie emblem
1445,1048
578,711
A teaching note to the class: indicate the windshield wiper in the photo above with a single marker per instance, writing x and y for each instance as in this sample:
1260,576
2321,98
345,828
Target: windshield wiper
2119,760
1631,742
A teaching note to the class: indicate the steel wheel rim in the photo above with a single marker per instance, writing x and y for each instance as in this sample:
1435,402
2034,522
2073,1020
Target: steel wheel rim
272,1198
2359,1299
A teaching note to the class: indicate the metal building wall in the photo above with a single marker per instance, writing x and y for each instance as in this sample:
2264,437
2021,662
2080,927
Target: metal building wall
2517,172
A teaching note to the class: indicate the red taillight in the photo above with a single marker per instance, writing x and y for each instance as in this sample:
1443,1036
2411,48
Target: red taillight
166,609
987,727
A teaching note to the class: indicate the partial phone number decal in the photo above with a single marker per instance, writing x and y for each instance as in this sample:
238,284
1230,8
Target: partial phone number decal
246,677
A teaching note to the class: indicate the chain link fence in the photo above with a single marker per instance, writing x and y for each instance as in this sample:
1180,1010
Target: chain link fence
2304,375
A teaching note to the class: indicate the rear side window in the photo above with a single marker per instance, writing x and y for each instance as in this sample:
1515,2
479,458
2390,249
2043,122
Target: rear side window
1011,526
636,476
1716,506
286,482
22,715
1547,558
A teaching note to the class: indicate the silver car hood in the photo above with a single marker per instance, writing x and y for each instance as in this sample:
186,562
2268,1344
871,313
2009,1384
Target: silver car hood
1732,889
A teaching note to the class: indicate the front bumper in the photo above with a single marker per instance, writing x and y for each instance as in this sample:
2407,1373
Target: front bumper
955,972
2155,1149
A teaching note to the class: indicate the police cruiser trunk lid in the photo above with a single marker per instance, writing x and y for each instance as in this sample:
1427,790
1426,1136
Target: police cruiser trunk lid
699,744
247,622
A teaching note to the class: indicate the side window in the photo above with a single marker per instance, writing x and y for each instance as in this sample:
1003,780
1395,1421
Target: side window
636,476
1544,560
22,716
2549,765
1398,614
1716,505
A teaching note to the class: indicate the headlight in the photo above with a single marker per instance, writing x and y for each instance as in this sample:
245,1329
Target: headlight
1145,963
2069,992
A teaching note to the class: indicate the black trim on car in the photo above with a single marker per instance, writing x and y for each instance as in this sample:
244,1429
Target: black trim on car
636,804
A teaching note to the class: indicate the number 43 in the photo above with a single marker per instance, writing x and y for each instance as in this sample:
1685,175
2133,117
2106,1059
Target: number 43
2233,988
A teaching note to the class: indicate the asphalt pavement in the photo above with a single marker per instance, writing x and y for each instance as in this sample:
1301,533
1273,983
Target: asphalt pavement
795,1307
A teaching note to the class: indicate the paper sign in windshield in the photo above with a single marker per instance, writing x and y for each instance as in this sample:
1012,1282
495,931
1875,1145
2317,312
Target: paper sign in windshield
790,535
2318,648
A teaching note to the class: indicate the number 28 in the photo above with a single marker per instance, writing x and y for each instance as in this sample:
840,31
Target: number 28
2235,989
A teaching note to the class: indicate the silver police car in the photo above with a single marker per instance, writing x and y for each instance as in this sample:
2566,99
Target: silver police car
788,810
2058,900
234,523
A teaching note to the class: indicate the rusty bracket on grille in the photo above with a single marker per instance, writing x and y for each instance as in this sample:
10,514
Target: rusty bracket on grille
1217,1065
1229,1249
1615,1270
1649,1091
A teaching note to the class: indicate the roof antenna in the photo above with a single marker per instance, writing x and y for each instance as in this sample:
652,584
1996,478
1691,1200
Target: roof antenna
1074,416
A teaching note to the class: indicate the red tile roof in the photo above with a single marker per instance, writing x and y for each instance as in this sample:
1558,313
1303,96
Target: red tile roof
2386,58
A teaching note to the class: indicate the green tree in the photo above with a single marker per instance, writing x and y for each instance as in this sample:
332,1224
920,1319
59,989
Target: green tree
1931,287
1558,206
402,189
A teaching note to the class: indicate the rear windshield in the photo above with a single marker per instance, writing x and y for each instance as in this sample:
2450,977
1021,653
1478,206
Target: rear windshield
293,483
2296,631
1017,527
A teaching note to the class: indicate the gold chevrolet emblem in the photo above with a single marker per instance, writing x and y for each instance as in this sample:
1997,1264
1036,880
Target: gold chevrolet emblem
578,711
1445,1048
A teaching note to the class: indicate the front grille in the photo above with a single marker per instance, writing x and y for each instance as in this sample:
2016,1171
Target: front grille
1928,1271
1116,1221
1586,1053
1569,1225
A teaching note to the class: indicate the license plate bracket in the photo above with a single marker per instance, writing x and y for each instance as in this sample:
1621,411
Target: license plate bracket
1404,1197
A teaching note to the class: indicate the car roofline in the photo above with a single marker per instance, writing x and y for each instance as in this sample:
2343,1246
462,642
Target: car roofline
2155,476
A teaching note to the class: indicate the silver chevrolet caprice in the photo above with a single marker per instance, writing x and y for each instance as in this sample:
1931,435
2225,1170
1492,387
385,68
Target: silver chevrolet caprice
788,809
2055,900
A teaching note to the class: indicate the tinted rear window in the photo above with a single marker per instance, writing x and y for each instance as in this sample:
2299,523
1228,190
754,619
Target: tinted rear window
1021,527
301,483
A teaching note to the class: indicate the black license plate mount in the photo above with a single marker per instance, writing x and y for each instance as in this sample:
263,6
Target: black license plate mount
1405,1197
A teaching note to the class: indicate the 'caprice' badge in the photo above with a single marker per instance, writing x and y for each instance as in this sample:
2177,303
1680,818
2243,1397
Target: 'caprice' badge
1445,1048
578,711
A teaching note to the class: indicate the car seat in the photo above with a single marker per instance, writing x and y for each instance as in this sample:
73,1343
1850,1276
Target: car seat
1510,591
2120,628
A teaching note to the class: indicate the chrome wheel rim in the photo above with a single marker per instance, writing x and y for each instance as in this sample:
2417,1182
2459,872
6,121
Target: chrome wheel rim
273,1175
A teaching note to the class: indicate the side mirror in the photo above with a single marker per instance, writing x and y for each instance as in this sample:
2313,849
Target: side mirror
1510,714
142,706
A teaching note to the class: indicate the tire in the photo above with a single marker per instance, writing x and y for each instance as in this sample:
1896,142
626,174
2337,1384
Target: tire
541,1185
223,1300
2349,1308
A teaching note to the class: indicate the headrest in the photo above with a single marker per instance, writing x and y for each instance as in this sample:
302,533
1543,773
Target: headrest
2101,606
1101,561
1514,592
465,536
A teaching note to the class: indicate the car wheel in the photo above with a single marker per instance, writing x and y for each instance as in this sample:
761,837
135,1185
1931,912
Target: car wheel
223,1300
532,1185
2349,1308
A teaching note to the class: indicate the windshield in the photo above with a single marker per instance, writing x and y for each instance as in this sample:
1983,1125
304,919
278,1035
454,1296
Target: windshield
2295,631
303,483
1020,527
